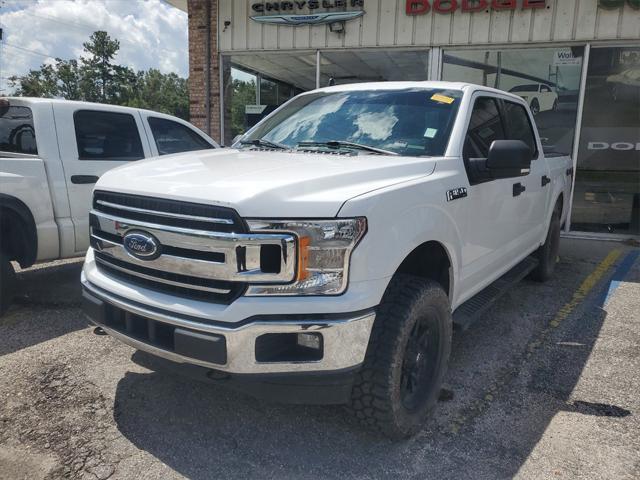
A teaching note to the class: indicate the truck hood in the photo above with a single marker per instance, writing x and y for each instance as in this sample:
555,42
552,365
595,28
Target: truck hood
265,183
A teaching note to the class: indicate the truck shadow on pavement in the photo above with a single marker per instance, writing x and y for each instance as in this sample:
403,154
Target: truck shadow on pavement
46,306
510,374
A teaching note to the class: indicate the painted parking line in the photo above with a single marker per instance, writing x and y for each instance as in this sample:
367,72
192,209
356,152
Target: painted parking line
619,275
585,288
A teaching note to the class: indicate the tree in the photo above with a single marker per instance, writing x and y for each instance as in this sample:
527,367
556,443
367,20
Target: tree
36,83
101,79
166,93
244,93
95,77
68,81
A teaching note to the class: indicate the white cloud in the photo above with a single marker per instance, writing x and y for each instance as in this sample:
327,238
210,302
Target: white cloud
152,33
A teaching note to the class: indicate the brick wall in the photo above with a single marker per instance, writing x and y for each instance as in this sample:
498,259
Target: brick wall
197,11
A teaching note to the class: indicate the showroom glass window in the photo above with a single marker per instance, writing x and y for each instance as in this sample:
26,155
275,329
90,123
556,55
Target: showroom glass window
607,187
373,65
254,85
548,79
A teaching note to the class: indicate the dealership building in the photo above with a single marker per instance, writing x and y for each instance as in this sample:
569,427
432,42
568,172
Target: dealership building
576,62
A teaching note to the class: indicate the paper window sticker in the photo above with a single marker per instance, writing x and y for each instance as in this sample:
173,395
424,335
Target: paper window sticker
430,132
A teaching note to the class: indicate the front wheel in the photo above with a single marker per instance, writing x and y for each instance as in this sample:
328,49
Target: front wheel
535,106
7,283
407,357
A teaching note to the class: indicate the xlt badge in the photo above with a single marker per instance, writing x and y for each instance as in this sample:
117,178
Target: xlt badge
456,193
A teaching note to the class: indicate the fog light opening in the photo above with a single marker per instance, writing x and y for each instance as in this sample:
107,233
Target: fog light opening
289,347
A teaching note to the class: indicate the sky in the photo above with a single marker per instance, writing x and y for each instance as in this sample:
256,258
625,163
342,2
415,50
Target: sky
152,33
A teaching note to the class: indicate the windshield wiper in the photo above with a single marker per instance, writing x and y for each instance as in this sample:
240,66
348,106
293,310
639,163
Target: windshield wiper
261,142
343,144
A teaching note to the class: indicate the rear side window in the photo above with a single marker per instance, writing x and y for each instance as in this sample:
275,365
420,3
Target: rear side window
17,134
107,136
520,127
485,127
173,137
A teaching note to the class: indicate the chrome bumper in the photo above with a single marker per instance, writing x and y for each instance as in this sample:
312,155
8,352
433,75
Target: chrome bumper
345,339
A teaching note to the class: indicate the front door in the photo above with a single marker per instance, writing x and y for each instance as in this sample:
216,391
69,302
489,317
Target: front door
93,140
490,239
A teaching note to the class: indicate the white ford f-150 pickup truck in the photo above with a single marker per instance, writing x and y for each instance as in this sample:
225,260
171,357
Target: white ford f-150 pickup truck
327,257
51,154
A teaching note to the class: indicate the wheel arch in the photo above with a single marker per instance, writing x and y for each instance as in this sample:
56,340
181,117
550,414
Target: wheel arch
21,241
430,260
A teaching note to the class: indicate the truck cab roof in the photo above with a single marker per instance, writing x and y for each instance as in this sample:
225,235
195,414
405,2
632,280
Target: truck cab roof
77,104
427,85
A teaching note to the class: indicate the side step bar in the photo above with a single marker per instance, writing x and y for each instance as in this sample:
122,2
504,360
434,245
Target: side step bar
472,309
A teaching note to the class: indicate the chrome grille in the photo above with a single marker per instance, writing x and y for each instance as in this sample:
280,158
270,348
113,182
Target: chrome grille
200,246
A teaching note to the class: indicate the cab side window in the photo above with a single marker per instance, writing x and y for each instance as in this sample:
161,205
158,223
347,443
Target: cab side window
485,126
102,135
173,137
520,127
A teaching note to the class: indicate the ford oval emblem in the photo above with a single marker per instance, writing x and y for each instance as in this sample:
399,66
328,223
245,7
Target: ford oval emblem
141,245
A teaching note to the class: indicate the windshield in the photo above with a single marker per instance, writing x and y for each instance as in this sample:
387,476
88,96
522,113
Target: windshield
411,122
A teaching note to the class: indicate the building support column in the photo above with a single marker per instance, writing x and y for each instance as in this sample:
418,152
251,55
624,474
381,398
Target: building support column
204,67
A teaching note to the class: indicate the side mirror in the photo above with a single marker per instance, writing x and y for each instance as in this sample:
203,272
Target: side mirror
509,158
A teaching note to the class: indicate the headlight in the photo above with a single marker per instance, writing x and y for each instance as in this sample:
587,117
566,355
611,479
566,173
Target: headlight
324,250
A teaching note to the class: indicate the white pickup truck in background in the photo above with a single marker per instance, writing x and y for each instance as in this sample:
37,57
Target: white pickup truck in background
52,152
328,255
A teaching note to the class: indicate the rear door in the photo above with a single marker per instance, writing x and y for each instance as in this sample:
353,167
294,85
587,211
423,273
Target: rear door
530,204
94,139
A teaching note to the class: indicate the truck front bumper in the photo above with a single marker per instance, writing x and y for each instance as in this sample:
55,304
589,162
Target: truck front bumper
285,344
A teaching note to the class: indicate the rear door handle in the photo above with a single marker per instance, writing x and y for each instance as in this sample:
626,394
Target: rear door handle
518,188
545,180
83,179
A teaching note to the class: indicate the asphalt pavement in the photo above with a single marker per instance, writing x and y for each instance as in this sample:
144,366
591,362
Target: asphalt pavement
544,385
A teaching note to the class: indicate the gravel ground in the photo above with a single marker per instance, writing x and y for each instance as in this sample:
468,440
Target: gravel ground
545,385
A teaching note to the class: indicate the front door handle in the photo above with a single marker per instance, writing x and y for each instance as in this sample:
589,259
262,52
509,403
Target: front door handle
545,180
84,179
518,188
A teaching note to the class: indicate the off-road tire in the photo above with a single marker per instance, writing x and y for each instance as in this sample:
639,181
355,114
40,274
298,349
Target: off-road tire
376,399
7,283
547,254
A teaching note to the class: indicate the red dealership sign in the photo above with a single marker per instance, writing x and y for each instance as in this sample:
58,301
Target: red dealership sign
420,7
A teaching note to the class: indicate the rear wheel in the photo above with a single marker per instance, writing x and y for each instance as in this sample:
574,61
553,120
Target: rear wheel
7,283
547,254
407,357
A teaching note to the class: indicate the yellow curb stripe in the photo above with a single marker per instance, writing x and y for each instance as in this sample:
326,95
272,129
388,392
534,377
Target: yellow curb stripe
585,287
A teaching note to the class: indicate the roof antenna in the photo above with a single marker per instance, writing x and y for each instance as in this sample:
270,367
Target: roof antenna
332,82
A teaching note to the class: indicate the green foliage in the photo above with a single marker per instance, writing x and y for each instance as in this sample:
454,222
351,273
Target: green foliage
95,77
244,93
167,93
